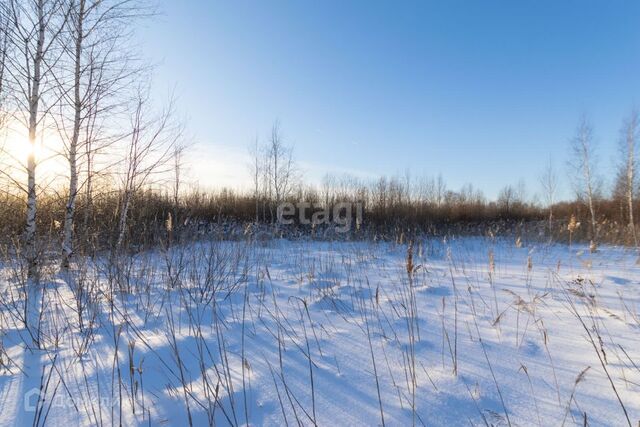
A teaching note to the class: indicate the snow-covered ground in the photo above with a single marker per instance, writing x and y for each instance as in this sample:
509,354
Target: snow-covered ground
468,331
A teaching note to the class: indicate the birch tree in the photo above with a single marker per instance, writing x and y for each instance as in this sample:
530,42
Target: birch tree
281,168
255,169
627,171
10,162
99,70
441,190
179,149
549,184
585,178
78,16
33,29
150,146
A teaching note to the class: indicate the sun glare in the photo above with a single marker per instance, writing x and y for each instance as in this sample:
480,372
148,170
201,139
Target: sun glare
15,150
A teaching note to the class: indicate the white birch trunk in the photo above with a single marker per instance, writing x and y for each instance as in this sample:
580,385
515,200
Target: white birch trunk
34,291
34,100
67,243
122,222
631,142
588,178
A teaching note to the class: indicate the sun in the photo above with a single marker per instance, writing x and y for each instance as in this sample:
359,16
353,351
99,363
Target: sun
15,150
17,147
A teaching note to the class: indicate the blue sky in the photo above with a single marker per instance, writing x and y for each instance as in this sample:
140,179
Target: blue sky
480,91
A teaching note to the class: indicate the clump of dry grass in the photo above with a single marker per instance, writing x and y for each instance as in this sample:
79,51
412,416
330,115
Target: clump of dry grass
572,227
410,266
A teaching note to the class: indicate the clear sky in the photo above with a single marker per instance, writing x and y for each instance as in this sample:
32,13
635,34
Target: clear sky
481,91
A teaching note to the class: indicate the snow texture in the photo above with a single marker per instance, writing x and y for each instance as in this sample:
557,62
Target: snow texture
469,331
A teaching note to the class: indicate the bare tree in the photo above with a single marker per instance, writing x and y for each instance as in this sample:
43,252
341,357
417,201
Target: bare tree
255,168
33,28
327,186
103,103
280,166
628,144
178,165
426,190
99,70
521,191
441,190
549,184
507,198
150,148
78,16
582,161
